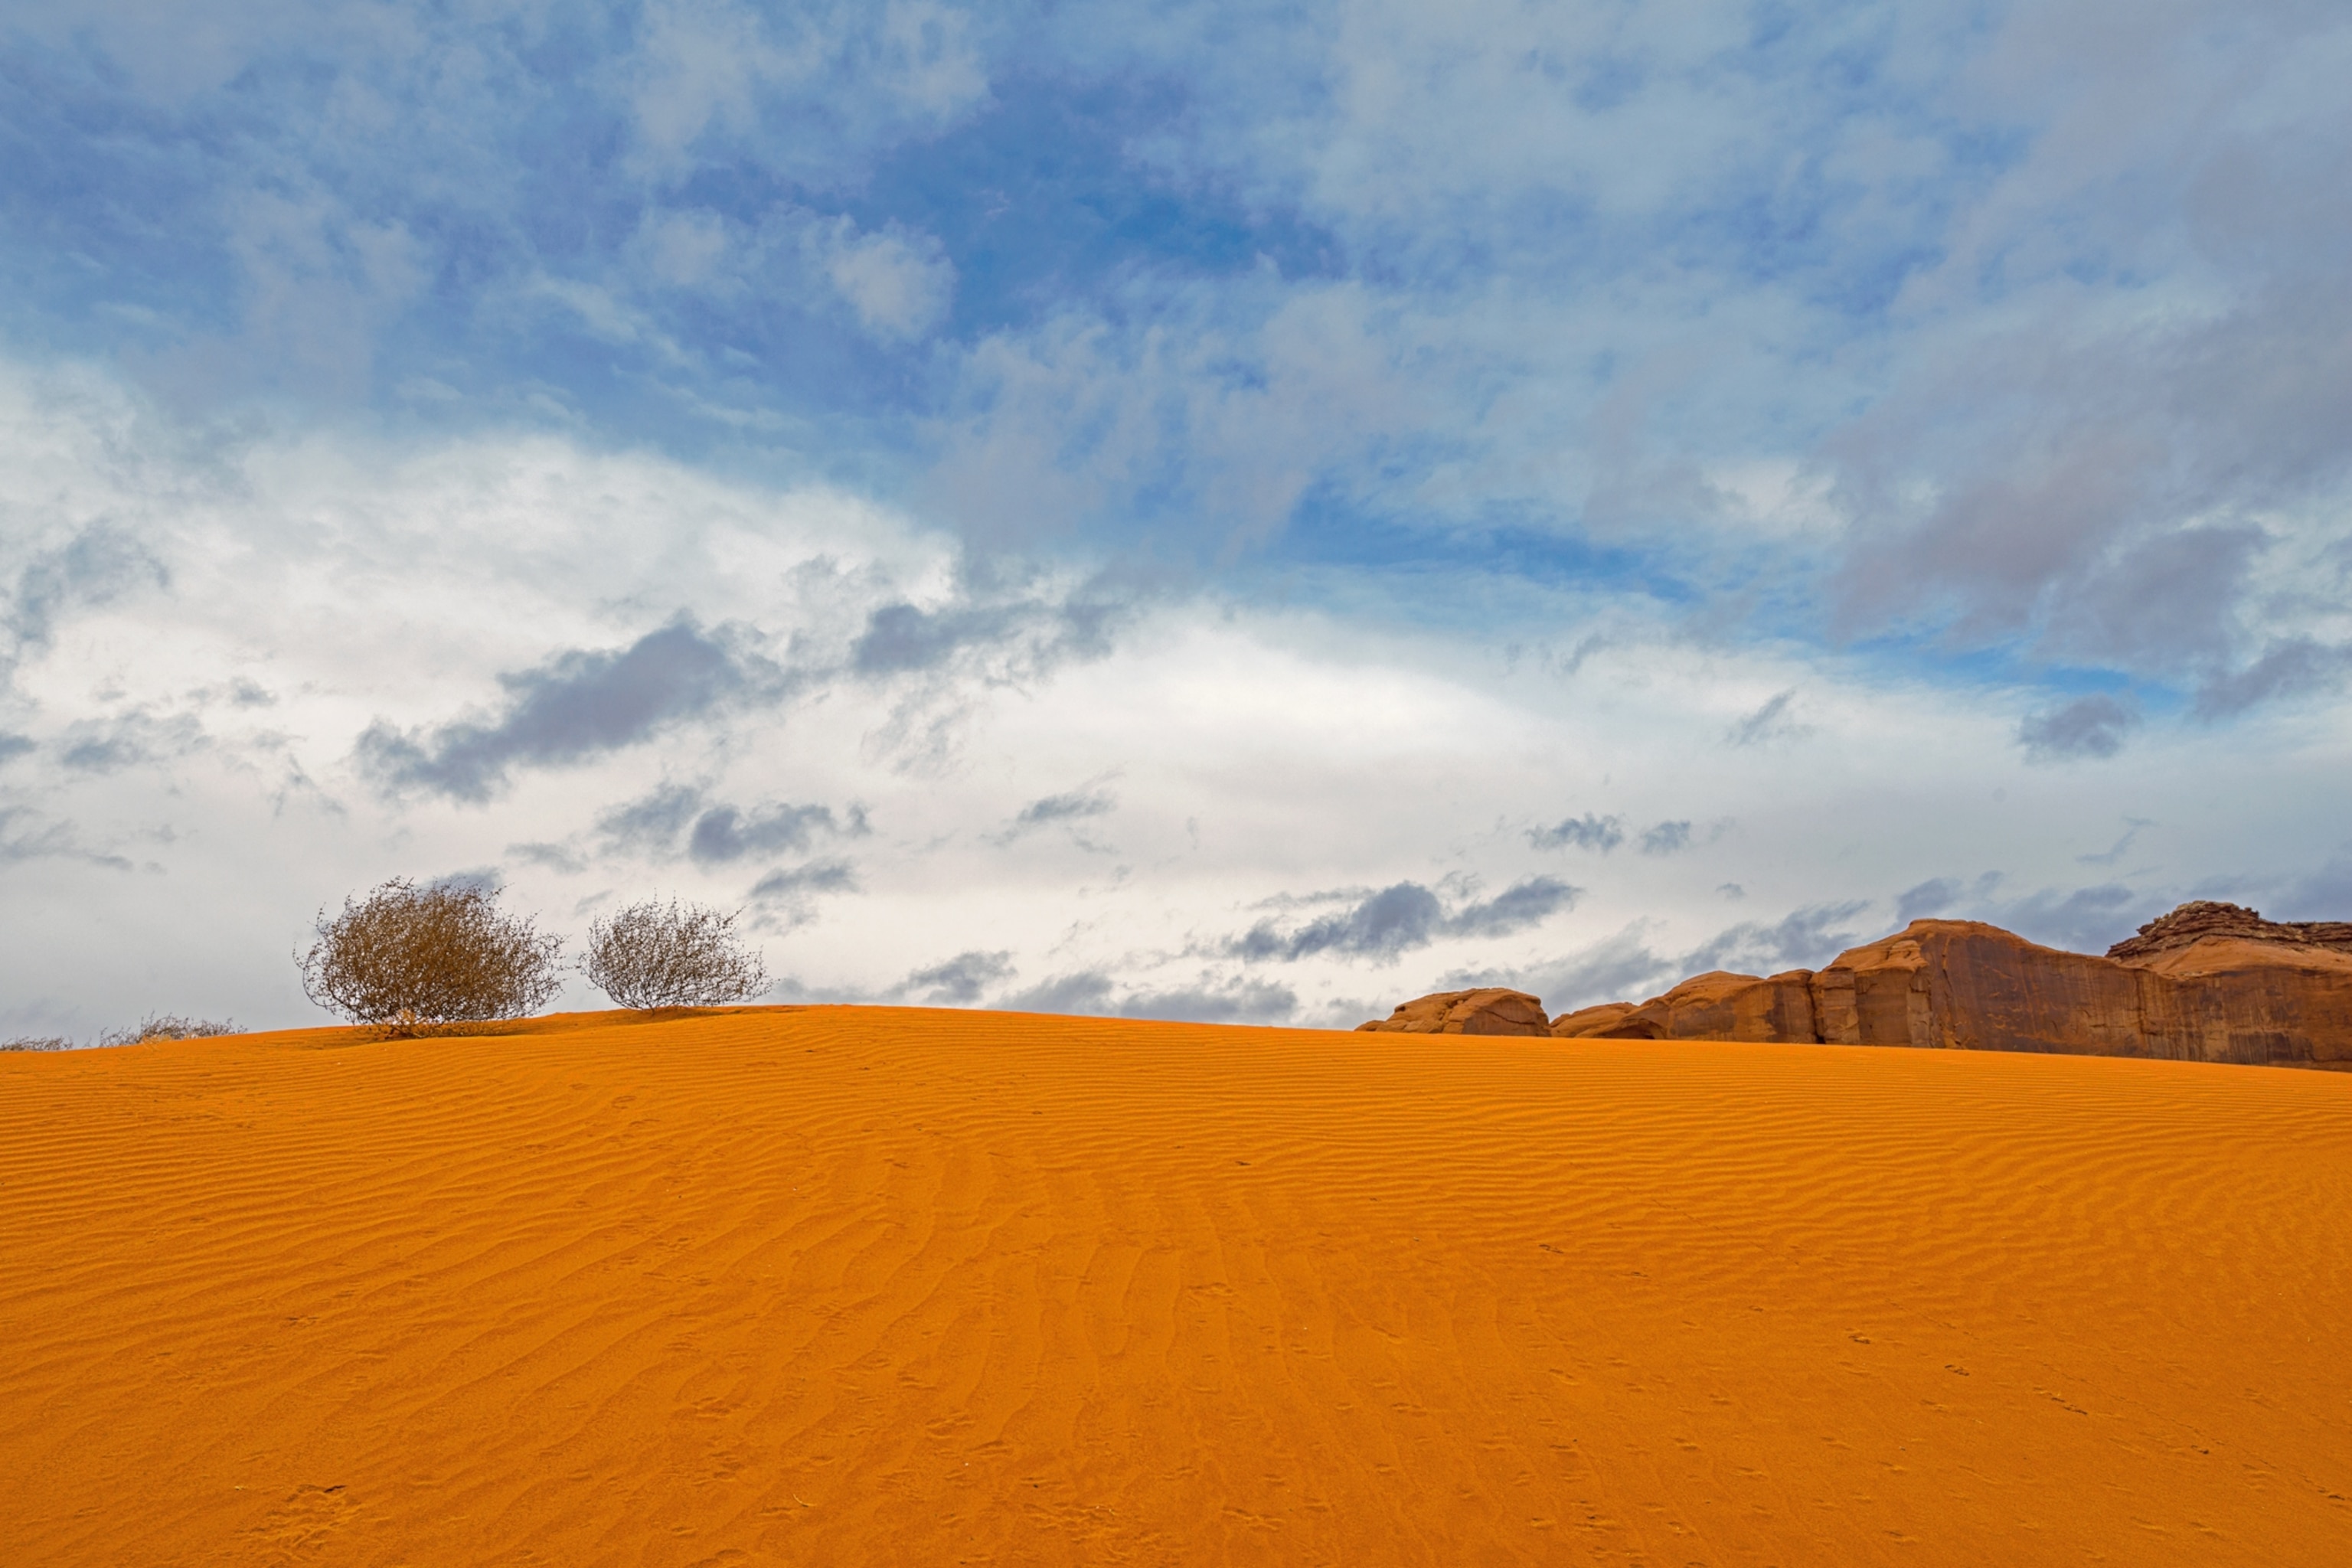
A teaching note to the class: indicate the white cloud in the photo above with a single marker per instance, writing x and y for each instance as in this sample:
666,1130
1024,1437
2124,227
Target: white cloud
714,69
310,589
898,283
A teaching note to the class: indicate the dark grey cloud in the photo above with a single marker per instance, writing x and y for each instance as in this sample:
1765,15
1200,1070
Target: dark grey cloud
2161,602
26,835
1621,968
1666,838
99,564
2324,894
1240,1002
109,746
652,822
13,745
2133,827
2074,468
578,705
1586,832
1067,807
2079,920
2087,474
2288,667
1804,938
1625,968
1093,993
101,754
718,833
788,886
1019,636
961,981
900,637
1772,722
1516,908
1927,900
2084,919
1387,922
1399,919
2092,726
554,857
1087,993
723,833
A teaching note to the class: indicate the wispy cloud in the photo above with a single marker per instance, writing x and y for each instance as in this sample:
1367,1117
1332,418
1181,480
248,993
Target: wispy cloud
1586,832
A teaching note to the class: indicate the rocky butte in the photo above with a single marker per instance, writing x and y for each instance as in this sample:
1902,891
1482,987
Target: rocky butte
2209,982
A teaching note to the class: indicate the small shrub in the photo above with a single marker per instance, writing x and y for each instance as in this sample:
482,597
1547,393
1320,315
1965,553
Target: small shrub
168,1026
408,958
671,955
37,1043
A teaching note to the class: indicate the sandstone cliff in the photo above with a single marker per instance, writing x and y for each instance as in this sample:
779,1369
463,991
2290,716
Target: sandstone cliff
2207,982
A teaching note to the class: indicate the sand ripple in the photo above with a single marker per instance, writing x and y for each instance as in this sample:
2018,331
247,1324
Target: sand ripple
877,1286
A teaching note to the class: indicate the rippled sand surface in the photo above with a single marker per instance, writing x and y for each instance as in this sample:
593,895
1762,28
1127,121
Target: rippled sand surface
870,1286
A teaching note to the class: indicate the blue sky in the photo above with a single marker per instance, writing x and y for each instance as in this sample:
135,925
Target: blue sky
491,416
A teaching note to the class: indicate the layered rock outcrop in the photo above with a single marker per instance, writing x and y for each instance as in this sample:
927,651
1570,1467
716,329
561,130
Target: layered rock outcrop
2204,921
1491,1011
2209,982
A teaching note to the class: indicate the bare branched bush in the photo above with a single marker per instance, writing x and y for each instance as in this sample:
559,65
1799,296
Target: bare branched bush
410,957
672,955
37,1043
168,1026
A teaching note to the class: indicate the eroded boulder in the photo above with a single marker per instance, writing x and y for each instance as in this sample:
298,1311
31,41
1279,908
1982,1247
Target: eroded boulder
1716,1005
1592,1023
1494,1010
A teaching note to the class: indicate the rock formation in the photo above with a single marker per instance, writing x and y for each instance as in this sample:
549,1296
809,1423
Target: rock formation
1492,1011
2207,982
1716,1005
1590,1023
2201,921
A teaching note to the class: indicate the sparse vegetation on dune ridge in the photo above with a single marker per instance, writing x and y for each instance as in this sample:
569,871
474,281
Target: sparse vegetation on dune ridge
653,955
169,1027
407,959
411,959
155,1027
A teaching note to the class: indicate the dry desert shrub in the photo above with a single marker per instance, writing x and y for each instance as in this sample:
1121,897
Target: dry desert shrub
169,1027
409,958
672,955
37,1043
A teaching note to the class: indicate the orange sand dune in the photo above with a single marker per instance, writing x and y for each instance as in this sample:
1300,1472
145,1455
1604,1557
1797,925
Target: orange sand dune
846,1287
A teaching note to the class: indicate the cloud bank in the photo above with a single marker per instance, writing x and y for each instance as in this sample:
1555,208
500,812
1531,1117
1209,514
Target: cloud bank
1246,511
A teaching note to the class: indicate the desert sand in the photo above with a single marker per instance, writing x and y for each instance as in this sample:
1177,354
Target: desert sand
836,1286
